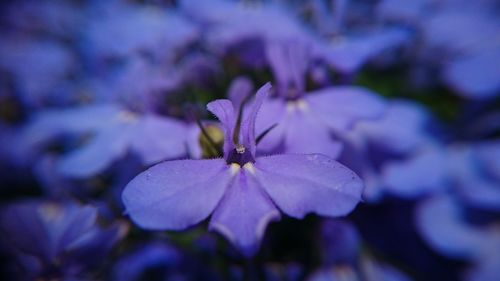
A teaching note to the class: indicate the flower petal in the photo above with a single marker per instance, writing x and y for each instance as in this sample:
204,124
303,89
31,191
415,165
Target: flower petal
159,138
423,173
475,77
243,214
340,107
300,184
248,125
224,111
108,145
25,230
439,222
402,127
240,88
176,194
306,134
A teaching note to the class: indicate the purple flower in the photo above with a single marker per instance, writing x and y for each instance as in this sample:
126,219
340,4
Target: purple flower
116,130
467,59
475,171
244,29
56,240
39,68
139,29
348,54
442,222
60,18
397,136
241,191
307,121
404,177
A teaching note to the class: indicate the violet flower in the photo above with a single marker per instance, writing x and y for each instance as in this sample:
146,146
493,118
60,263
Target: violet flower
56,240
348,54
467,59
307,121
116,130
475,172
241,191
400,135
39,68
157,32
442,222
243,29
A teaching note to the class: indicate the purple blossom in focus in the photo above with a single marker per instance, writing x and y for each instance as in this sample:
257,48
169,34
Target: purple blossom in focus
390,104
245,191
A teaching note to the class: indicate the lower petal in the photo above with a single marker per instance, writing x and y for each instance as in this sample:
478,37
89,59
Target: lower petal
301,184
243,214
174,195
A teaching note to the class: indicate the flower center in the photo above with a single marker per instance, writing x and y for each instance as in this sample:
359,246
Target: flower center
240,155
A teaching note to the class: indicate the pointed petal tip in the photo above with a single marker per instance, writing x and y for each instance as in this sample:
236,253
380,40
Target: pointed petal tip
247,249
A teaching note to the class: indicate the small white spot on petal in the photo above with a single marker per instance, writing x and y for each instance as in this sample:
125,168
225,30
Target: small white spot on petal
234,168
302,105
249,167
127,116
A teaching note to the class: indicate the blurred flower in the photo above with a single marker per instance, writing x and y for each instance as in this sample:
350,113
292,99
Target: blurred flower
57,240
39,69
307,121
157,32
401,135
467,58
442,222
115,131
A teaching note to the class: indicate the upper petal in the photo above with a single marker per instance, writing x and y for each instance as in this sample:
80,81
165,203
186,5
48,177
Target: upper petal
240,88
340,107
244,212
176,194
248,125
224,111
300,184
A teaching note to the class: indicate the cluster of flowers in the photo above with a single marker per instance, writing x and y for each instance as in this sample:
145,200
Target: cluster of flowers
128,128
